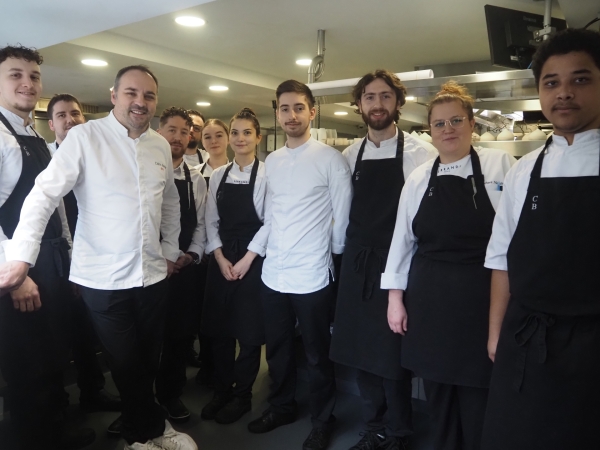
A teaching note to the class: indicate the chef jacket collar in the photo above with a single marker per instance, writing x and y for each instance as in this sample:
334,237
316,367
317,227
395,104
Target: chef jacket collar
302,147
390,141
120,128
582,138
12,117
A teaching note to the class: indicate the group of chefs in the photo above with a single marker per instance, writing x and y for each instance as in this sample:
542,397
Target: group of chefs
461,265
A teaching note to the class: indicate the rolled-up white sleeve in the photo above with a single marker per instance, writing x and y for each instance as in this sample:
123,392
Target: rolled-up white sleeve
170,225
51,185
212,213
504,226
199,236
340,191
404,242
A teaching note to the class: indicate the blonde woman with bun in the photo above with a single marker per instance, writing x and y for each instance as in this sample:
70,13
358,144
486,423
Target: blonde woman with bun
215,138
232,309
439,288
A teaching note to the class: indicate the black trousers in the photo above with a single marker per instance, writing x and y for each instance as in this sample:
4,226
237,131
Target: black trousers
387,407
205,355
457,415
90,378
130,324
229,370
171,377
313,312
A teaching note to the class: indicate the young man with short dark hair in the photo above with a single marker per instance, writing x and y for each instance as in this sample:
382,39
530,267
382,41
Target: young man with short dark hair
194,153
35,332
544,334
308,198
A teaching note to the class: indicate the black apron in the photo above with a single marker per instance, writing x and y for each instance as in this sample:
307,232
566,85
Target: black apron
183,302
233,308
447,298
206,178
361,336
36,343
545,392
200,159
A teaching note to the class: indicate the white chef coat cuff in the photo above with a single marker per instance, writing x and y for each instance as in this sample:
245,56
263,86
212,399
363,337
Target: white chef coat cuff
25,251
256,248
496,263
169,252
338,249
197,249
213,245
390,280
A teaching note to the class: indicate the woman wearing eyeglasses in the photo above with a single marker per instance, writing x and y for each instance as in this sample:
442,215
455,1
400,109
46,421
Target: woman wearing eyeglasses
439,289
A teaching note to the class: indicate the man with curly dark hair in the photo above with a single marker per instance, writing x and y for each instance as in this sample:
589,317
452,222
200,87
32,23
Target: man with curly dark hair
34,326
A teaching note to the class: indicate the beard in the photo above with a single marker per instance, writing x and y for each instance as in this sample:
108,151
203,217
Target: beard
378,124
193,144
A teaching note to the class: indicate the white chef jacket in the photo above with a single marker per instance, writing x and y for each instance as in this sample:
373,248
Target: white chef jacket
193,160
11,164
416,152
562,160
199,185
53,146
308,203
235,176
126,198
494,166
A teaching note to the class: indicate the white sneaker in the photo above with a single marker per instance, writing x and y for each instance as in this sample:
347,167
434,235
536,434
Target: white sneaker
174,440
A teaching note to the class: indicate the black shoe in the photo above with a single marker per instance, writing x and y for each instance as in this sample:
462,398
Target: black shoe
205,377
115,428
318,439
369,441
176,409
269,421
217,403
395,443
233,410
76,439
102,401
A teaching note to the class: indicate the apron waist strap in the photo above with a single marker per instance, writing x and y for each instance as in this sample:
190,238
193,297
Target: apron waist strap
536,324
371,262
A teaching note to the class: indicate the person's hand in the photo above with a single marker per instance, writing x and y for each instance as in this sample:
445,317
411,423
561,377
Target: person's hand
12,275
397,317
243,265
27,297
492,346
225,265
182,261
171,269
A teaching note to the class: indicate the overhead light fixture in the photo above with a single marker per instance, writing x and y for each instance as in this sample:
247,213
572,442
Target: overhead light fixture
340,113
218,88
203,104
190,21
410,98
94,62
303,62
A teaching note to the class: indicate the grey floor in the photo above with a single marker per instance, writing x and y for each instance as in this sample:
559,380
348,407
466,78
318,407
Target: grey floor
212,436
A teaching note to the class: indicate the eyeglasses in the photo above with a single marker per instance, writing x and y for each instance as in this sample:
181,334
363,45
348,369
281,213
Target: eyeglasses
455,122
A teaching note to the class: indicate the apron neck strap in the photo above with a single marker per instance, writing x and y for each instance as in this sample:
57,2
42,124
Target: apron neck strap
399,150
475,164
536,172
200,158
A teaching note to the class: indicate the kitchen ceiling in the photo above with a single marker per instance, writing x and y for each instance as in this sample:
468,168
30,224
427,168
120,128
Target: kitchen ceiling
249,46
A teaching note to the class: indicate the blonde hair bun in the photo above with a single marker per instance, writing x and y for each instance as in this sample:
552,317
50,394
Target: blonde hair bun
452,87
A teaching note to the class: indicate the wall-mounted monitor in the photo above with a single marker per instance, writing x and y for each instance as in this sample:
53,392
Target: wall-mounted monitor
510,35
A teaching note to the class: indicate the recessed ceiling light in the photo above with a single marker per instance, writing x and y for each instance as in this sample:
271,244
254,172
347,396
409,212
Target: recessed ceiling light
94,62
410,98
203,104
218,88
303,62
190,21
340,113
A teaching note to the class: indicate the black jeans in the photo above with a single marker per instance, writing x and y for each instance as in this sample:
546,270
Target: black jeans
229,370
313,313
387,407
130,324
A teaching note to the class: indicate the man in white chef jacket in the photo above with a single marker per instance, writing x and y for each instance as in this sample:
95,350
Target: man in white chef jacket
122,176
309,193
